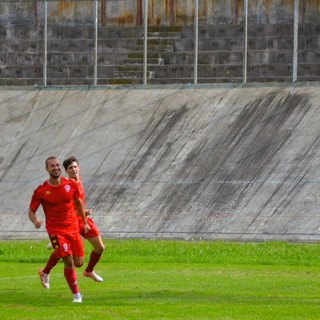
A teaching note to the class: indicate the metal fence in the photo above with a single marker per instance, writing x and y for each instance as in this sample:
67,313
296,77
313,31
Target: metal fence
146,14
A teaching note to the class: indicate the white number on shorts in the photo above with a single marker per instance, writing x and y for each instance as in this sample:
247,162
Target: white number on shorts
65,247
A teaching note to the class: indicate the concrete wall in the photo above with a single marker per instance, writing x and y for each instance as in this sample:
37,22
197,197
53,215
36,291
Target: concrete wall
160,12
213,162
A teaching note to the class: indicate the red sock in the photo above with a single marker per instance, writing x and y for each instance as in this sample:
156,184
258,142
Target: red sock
53,260
94,258
71,278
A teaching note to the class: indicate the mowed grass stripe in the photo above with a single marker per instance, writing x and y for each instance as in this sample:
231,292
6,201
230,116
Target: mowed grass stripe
167,280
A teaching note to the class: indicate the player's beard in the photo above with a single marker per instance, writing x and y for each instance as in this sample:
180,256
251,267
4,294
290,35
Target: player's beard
55,176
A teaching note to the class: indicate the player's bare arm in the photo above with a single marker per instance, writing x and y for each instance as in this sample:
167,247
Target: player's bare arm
81,212
33,218
87,212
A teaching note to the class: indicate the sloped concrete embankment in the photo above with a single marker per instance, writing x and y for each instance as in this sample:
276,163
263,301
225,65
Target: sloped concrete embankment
222,162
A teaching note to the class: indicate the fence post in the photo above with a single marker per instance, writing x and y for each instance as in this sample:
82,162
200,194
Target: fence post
245,51
196,32
295,41
145,42
45,44
95,76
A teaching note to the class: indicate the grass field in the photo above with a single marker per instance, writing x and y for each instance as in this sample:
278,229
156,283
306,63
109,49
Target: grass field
167,280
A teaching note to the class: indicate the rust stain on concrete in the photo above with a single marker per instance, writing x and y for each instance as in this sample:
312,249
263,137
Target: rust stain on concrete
64,5
126,19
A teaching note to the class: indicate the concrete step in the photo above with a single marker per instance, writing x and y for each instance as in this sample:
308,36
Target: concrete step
309,57
127,71
150,61
18,72
254,30
21,82
157,42
308,29
190,80
20,59
187,57
130,74
120,32
270,56
280,70
138,32
69,82
169,29
205,71
153,48
164,35
120,81
21,46
226,44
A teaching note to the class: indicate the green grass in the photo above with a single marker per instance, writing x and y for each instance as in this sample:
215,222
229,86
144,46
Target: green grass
168,280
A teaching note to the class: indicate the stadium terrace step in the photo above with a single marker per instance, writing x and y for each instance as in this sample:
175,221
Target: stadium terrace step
120,81
153,48
70,55
150,61
309,57
128,71
157,42
164,35
156,81
120,33
166,29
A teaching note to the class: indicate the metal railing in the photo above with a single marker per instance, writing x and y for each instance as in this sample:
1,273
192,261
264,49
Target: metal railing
144,18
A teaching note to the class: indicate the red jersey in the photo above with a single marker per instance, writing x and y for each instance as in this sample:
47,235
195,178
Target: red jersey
58,205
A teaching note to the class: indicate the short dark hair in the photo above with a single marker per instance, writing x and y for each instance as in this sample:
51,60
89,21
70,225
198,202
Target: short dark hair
66,163
50,158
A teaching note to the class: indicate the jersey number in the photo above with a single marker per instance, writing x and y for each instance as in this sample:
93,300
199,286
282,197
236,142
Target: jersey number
65,247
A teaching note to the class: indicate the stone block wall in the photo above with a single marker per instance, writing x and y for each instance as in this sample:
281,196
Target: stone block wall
71,43
70,55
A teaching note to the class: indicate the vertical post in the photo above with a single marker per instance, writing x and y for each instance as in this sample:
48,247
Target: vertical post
145,42
245,51
196,32
103,12
295,41
95,73
45,43
139,13
35,12
171,13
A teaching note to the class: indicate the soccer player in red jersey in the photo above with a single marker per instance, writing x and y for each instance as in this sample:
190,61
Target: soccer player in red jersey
72,168
58,197
71,165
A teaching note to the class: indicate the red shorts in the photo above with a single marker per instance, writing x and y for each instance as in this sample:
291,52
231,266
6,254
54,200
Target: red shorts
66,244
93,232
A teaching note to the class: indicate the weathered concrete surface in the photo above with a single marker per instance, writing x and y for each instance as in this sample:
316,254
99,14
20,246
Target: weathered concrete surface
219,162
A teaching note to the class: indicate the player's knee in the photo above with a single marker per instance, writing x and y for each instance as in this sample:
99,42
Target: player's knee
78,262
100,248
